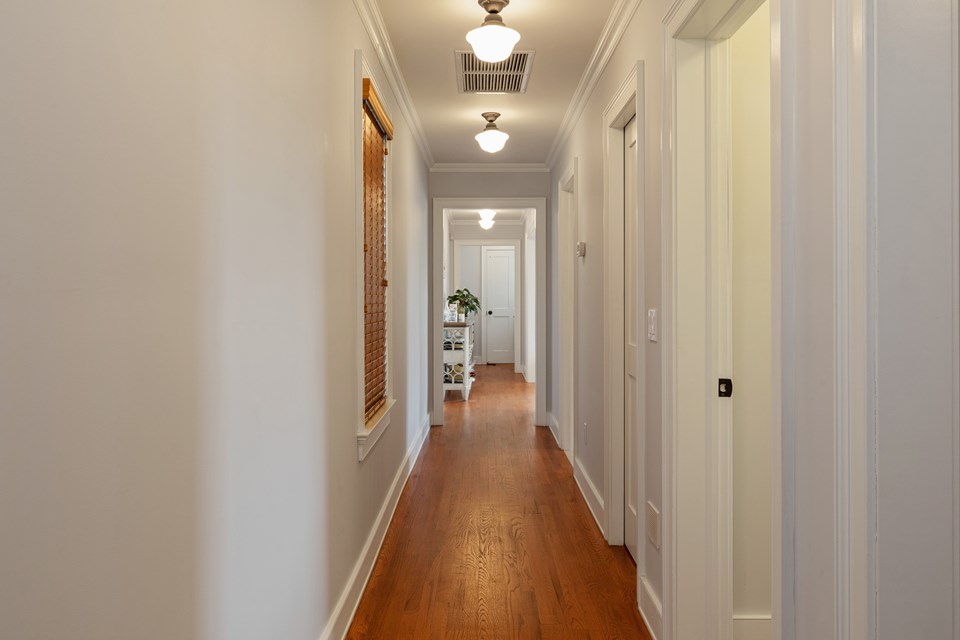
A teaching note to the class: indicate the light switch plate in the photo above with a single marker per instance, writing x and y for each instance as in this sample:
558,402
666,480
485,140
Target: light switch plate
652,325
581,249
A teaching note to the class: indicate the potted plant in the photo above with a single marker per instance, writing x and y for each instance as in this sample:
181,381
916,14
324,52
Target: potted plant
466,302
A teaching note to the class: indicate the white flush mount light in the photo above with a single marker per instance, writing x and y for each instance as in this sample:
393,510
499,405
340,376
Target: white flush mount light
491,139
492,41
486,218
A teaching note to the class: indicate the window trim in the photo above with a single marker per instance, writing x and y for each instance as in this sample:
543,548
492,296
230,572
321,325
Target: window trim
366,91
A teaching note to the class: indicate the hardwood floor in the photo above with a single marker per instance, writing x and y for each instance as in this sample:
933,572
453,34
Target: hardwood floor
492,539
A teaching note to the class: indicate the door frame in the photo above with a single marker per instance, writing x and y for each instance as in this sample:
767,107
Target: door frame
519,260
700,496
627,103
436,300
568,223
519,318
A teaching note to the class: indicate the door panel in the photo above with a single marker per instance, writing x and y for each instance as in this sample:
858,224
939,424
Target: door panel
499,300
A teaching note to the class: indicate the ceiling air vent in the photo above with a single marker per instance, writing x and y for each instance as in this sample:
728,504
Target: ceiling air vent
509,76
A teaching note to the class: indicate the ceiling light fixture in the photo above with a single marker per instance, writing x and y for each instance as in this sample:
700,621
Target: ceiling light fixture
486,218
491,139
492,41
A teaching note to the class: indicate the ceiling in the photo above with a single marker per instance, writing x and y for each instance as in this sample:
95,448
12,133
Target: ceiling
425,35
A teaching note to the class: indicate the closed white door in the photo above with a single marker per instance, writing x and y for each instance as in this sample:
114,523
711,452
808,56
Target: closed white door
499,304
751,339
631,339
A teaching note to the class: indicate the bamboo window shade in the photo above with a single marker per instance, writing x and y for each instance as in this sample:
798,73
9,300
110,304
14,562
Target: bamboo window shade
377,129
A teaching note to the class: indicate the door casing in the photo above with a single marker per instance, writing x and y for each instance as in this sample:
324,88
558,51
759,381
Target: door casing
697,446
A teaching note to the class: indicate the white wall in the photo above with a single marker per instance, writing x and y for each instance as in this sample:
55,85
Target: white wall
918,398
509,183
642,40
178,455
903,566
752,339
447,264
470,275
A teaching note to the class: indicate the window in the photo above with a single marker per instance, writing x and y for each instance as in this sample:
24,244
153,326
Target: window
377,130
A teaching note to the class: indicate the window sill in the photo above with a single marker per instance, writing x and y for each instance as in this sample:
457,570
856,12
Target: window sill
370,432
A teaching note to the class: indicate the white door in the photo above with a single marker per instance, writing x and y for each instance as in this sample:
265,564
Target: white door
631,339
751,340
498,302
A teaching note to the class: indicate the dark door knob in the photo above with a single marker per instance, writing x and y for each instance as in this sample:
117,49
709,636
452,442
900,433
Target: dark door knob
489,313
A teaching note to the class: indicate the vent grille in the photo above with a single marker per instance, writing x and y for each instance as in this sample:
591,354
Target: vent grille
508,76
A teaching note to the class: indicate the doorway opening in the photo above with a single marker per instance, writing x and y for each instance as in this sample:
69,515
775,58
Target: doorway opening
720,323
505,267
568,234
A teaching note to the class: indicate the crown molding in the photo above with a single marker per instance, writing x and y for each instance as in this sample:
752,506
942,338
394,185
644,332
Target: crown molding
376,29
617,22
464,167
473,223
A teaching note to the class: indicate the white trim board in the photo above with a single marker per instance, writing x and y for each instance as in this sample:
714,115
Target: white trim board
346,607
489,167
555,430
650,609
590,494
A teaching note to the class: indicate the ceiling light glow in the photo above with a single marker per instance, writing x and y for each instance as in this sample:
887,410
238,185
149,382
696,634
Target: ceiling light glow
487,214
486,224
491,139
493,41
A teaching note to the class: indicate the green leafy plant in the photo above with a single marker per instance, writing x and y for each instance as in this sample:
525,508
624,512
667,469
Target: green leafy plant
466,302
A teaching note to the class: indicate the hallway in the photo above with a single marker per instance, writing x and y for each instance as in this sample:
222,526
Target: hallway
491,537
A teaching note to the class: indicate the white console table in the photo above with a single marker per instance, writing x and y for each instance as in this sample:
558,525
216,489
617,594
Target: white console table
458,357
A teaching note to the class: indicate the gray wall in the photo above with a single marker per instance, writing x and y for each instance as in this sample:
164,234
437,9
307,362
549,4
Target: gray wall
178,333
918,236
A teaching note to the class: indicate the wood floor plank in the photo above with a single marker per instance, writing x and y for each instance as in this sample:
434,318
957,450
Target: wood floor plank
491,538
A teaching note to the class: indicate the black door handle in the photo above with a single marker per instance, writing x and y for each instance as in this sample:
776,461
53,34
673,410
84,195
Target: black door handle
490,313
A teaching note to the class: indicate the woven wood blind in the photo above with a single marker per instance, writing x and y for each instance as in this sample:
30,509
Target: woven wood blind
374,262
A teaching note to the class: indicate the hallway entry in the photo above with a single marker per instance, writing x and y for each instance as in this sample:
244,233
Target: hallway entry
492,539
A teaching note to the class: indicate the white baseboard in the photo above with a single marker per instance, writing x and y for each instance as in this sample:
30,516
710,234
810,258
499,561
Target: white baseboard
528,376
590,494
554,428
651,610
752,627
343,613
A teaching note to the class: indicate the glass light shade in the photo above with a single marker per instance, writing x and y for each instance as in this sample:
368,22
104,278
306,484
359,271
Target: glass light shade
492,140
487,214
486,224
493,42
